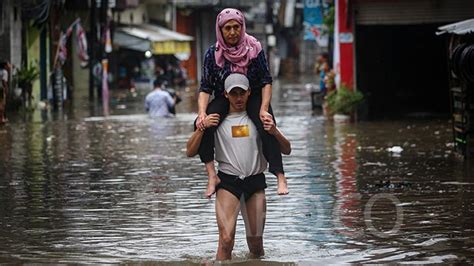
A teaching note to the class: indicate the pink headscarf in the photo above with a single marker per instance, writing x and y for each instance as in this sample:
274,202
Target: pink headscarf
246,49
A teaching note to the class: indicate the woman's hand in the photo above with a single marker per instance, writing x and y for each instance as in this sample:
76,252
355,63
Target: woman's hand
269,124
203,100
211,120
200,121
263,114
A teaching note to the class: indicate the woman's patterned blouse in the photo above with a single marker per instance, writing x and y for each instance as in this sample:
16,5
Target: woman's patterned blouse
213,76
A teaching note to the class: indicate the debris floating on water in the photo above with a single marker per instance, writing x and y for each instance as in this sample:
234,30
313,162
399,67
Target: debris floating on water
395,149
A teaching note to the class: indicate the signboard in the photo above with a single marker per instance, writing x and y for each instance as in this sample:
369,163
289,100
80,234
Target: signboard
346,37
110,3
171,47
313,22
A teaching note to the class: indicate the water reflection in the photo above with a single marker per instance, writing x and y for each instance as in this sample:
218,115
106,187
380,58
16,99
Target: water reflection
119,189
347,209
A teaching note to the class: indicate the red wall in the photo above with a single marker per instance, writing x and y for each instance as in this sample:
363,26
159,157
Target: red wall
346,49
186,25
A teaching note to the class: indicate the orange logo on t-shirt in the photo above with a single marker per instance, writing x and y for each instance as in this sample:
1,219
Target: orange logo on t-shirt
240,131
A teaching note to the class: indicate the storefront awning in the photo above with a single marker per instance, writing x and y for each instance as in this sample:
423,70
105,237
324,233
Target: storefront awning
158,40
459,28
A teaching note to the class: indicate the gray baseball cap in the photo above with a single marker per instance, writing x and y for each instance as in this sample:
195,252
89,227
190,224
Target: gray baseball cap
235,80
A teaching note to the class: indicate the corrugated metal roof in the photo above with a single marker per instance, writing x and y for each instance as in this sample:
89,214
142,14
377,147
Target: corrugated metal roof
155,33
409,12
131,42
459,28
147,37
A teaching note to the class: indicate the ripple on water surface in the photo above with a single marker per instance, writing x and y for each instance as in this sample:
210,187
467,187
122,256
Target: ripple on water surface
120,189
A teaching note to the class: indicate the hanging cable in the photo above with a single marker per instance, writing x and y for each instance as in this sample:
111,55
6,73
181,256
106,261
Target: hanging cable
38,11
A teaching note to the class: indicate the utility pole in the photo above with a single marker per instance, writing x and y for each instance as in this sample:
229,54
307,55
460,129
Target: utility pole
103,26
92,47
43,61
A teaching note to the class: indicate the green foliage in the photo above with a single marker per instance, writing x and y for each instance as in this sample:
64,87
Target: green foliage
343,100
28,74
328,20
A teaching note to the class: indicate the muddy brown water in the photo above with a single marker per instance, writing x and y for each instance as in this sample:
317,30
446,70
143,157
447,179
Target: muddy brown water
120,189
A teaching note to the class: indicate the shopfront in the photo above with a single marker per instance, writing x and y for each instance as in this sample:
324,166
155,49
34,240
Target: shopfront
399,62
147,52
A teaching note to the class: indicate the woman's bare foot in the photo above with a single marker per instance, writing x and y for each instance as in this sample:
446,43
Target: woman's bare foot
212,183
282,187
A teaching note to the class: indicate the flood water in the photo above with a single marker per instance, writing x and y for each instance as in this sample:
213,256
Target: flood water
118,189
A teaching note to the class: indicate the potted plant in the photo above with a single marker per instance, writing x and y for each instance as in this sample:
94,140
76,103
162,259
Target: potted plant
343,102
26,76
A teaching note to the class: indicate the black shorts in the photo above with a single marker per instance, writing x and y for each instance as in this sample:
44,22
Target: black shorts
248,186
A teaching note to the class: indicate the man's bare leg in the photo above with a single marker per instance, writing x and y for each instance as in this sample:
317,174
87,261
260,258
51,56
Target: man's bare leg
227,210
282,187
254,213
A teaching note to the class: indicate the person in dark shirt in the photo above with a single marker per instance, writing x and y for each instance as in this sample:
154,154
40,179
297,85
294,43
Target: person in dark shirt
237,52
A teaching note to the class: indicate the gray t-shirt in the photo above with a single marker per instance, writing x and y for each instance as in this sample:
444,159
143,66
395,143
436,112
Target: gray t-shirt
158,103
238,146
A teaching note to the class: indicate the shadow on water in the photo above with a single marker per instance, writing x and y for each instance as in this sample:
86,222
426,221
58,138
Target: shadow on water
119,189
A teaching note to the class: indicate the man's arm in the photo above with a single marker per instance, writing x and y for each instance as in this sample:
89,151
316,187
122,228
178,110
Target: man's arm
170,100
285,145
194,141
269,126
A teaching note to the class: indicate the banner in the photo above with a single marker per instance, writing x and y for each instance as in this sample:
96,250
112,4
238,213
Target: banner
313,22
108,41
82,45
61,53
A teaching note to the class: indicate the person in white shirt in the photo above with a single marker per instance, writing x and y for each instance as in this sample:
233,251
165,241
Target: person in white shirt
240,181
159,103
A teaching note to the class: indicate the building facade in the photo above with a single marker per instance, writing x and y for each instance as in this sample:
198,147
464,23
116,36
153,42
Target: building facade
389,51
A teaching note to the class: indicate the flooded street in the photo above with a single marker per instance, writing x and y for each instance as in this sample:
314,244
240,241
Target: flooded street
117,189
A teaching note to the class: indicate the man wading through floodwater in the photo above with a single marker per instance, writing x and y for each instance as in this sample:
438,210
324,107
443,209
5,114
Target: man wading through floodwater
241,182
